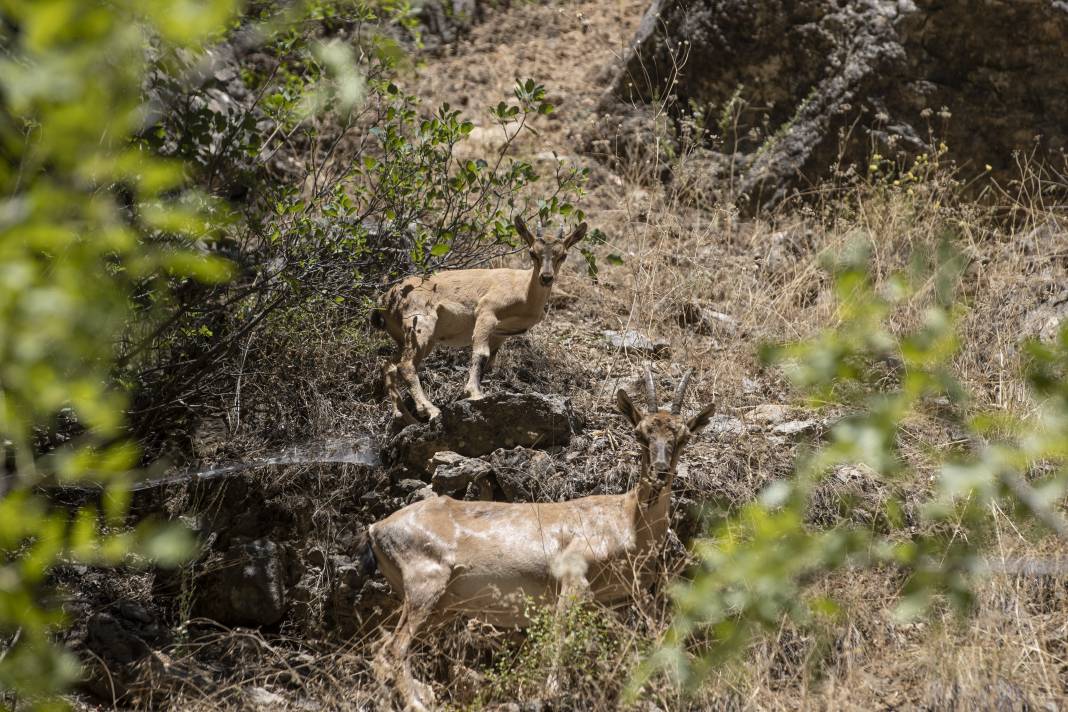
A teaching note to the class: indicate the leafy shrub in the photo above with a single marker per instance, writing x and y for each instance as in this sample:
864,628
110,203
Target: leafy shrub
343,184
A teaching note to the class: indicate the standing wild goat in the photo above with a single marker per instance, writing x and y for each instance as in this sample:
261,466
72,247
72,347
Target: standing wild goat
476,307
484,559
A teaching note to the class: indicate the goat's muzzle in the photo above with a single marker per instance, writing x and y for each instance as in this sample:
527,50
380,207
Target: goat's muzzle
547,279
660,460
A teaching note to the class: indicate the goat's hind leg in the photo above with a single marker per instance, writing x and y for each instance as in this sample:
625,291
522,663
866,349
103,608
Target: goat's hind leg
421,595
418,342
391,380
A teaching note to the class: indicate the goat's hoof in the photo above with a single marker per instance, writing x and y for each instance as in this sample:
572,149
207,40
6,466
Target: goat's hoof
422,699
474,396
430,413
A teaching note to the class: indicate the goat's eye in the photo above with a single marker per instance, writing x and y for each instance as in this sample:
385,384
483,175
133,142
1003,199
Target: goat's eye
533,255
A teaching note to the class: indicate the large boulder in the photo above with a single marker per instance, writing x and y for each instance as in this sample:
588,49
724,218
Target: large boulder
787,86
245,585
476,428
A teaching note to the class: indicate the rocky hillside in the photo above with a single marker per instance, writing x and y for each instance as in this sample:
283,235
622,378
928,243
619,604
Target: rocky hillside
701,259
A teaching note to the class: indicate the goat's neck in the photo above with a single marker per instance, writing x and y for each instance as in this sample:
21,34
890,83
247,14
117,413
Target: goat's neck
648,505
537,293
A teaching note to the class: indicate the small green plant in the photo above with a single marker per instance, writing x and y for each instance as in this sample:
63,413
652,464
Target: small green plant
566,651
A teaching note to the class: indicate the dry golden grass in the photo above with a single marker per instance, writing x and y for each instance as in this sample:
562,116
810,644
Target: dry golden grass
682,253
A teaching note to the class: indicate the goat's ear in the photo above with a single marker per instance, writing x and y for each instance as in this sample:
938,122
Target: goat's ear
521,228
627,407
578,234
699,421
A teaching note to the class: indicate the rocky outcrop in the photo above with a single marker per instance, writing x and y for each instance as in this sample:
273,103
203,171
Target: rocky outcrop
785,87
476,428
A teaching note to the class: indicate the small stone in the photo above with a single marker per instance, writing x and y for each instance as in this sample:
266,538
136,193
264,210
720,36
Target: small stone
726,425
633,341
456,472
422,493
262,697
795,427
768,413
446,457
407,486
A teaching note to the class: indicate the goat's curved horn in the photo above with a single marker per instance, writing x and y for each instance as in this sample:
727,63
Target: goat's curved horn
680,393
650,390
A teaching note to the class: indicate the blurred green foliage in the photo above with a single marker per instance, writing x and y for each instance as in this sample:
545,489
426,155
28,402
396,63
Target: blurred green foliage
83,218
759,565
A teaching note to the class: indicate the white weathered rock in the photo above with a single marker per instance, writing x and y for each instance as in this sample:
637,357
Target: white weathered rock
768,413
634,341
795,427
726,425
264,698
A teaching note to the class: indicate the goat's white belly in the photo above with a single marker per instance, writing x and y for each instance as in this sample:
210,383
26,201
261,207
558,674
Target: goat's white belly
497,600
454,328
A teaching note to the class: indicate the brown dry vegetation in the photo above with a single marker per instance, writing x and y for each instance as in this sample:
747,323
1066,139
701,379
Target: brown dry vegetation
682,254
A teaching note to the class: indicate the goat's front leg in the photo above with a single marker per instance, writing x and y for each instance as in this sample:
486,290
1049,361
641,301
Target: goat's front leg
569,569
495,343
480,354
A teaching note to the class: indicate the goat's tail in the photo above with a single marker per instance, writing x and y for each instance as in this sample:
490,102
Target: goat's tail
365,554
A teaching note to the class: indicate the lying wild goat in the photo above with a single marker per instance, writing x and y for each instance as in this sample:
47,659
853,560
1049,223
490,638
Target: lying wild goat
483,559
480,307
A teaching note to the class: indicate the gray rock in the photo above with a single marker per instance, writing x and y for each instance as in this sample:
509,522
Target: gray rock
124,633
635,342
768,413
425,492
726,425
475,428
795,427
245,585
522,473
454,472
832,76
407,486
1045,321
